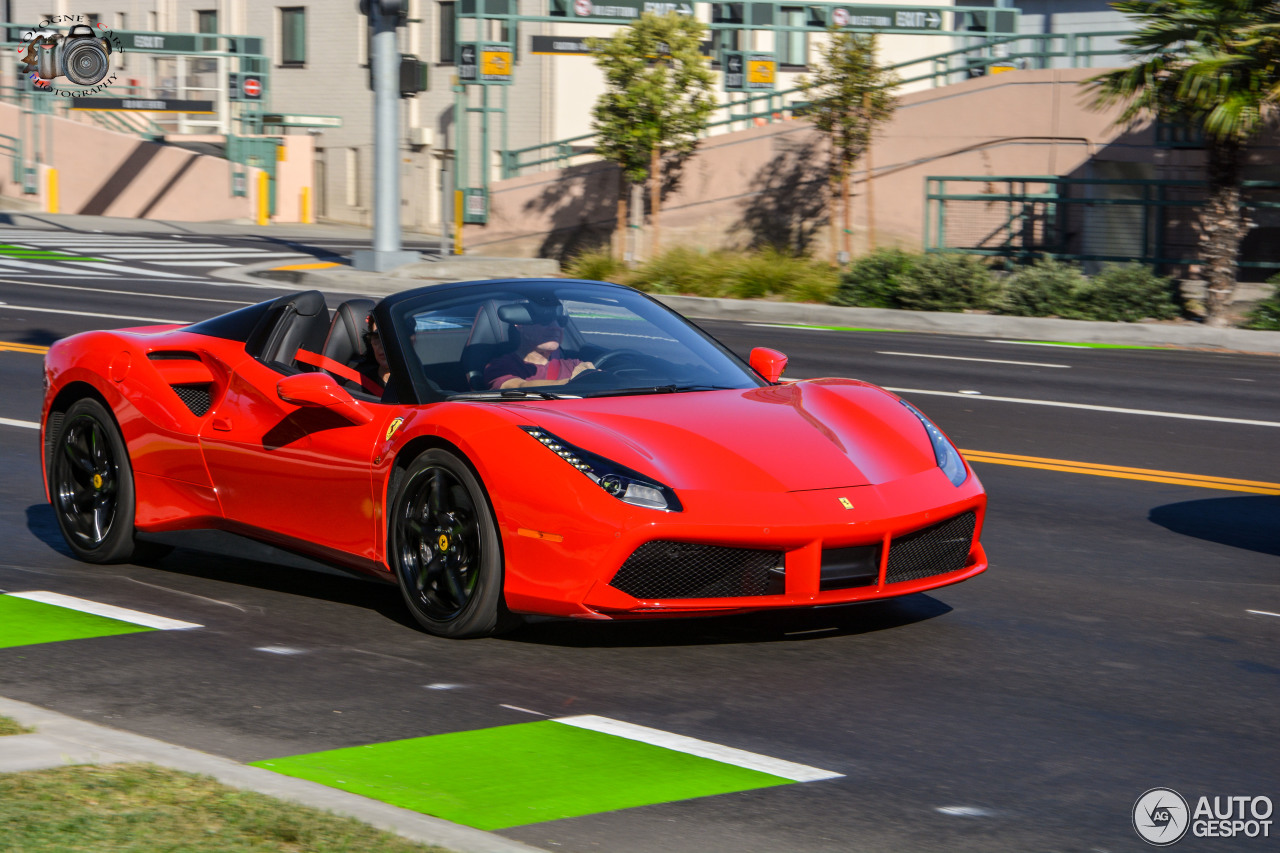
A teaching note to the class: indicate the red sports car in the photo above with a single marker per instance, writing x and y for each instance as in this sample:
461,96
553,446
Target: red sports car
497,448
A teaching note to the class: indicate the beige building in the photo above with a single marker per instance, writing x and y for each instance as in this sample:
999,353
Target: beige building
318,57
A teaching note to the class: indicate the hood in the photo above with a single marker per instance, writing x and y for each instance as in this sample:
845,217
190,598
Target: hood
817,434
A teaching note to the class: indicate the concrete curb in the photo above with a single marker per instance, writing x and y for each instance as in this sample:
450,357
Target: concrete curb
61,740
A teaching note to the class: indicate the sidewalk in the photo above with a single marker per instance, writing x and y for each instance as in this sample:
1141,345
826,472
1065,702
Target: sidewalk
60,740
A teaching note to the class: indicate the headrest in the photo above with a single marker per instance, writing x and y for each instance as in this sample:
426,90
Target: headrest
525,313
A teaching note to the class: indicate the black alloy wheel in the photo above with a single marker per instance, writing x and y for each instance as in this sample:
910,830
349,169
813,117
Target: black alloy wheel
91,485
445,549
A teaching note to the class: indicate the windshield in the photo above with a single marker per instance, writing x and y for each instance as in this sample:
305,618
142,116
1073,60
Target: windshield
548,339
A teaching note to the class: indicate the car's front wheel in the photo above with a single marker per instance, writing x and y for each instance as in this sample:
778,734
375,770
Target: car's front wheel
91,484
445,549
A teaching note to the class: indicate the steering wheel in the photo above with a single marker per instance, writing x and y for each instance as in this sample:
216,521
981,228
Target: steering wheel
603,362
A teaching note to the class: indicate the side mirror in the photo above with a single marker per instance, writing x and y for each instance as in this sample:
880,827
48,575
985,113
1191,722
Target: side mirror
769,363
318,390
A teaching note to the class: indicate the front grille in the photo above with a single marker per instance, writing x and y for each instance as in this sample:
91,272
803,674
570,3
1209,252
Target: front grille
935,550
846,568
689,570
196,397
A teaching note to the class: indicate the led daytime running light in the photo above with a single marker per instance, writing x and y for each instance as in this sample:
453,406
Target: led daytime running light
617,480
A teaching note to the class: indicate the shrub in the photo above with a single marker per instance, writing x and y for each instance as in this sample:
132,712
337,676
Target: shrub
685,270
597,265
1044,289
1127,292
1266,314
874,280
948,282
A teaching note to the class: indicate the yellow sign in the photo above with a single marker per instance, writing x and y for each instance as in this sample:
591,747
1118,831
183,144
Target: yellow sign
495,63
761,72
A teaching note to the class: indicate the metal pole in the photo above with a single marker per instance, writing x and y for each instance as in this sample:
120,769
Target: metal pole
386,253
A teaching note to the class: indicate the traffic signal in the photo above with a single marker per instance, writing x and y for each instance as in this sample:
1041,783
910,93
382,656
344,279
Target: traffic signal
399,9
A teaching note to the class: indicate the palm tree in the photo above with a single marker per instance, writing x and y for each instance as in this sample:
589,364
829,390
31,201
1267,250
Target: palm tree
1211,66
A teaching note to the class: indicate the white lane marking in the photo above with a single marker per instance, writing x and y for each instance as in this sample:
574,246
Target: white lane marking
11,422
985,360
279,650
1037,344
523,710
200,264
122,269
91,314
704,749
35,268
122,614
1263,612
968,392
1087,406
965,811
442,685
140,293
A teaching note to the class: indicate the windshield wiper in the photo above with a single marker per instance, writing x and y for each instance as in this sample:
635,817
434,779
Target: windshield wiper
659,389
512,394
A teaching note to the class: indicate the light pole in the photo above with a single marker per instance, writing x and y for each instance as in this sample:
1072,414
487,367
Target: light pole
384,56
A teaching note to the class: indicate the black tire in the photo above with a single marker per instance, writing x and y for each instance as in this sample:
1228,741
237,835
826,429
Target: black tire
91,485
445,550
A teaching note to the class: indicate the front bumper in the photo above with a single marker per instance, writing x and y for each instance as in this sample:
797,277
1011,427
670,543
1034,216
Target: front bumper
579,575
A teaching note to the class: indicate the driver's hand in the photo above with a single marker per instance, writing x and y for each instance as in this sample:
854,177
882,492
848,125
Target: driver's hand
586,365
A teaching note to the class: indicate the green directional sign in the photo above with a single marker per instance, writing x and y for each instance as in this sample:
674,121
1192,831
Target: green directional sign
611,11
885,17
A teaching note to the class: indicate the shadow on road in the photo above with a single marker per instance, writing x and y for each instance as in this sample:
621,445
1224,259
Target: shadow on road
44,526
1251,522
767,627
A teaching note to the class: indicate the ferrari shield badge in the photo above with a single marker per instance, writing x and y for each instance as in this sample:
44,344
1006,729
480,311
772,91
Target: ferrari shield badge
846,503
393,426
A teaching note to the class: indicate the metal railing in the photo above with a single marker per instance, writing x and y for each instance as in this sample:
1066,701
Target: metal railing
1024,217
991,55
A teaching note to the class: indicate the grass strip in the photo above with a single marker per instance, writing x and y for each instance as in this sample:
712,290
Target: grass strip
1087,346
9,726
140,808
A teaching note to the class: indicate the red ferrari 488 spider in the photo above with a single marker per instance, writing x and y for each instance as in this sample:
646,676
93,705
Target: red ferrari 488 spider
556,447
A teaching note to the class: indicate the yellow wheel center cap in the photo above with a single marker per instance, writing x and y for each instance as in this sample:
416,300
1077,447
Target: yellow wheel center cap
444,542
97,481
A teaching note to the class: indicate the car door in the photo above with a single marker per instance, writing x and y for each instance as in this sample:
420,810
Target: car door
289,472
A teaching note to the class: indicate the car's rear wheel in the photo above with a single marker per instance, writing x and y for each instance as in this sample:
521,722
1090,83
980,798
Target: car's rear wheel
445,549
91,485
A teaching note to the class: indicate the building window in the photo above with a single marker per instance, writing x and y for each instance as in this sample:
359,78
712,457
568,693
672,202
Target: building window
448,43
122,21
353,177
93,19
293,36
206,20
793,47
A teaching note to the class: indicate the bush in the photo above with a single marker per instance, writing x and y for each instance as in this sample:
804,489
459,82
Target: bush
1266,315
1127,292
875,280
1047,288
948,282
597,265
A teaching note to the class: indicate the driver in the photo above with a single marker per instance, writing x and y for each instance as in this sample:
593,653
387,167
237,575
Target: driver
537,359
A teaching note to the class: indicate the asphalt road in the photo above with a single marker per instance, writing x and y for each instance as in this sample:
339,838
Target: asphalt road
1125,637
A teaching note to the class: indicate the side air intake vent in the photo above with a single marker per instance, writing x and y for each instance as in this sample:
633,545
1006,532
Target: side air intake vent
197,397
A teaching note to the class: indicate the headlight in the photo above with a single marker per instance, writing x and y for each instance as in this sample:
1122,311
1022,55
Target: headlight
943,451
620,481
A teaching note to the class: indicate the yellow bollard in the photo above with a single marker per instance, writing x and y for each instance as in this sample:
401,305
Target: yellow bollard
52,188
305,212
264,199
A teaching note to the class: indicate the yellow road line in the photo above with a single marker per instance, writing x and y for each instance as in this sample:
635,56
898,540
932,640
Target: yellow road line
1149,475
31,348
318,266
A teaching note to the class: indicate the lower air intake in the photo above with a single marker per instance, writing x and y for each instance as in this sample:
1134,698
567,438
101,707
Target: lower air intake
689,570
935,550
